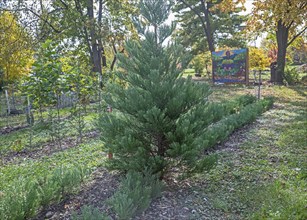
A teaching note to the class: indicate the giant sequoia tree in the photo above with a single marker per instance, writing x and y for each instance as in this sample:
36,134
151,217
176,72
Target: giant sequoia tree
159,117
287,18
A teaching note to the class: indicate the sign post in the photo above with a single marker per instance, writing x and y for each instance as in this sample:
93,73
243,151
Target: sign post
230,66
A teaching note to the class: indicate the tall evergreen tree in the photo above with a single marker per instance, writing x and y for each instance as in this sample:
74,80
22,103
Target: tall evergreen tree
159,117
206,25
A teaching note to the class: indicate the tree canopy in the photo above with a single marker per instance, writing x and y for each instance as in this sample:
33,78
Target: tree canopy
259,59
16,54
92,25
206,25
286,18
98,29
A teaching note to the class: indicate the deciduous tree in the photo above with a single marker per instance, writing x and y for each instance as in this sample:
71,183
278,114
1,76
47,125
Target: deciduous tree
258,59
16,54
94,24
287,18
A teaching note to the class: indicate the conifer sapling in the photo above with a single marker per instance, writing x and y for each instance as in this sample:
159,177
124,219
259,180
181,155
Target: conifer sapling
158,117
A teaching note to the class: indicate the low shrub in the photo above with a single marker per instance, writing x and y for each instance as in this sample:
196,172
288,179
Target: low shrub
235,105
90,213
20,201
220,130
291,76
24,197
135,194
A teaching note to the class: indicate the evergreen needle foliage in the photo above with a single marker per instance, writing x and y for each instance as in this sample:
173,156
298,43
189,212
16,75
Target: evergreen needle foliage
135,194
90,213
159,117
22,199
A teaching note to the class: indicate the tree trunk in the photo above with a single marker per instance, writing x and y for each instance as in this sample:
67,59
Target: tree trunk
114,58
101,47
94,43
208,29
102,54
103,61
205,22
282,34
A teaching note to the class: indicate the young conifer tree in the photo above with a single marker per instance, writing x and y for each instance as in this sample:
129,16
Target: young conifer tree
159,117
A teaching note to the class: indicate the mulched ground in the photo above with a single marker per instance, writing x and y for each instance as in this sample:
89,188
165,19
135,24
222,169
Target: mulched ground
178,201
101,187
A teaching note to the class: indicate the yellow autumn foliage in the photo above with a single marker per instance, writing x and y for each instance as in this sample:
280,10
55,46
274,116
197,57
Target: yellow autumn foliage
258,59
230,5
16,55
266,14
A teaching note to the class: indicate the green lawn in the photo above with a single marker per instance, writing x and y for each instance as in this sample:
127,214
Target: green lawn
263,173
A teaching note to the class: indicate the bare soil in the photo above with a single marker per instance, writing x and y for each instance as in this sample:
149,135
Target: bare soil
47,149
7,130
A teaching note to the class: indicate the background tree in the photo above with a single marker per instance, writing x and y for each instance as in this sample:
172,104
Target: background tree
270,46
287,18
218,25
79,23
298,51
201,62
46,81
160,128
16,54
258,59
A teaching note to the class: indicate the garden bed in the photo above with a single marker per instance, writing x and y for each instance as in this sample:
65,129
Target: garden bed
263,158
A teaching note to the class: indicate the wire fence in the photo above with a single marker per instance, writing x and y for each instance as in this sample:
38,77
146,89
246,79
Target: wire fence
14,107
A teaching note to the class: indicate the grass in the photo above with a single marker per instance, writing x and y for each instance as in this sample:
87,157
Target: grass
88,155
265,176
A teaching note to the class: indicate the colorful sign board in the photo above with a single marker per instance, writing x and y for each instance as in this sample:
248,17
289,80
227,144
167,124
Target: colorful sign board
230,66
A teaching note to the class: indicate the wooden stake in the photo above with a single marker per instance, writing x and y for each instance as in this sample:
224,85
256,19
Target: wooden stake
109,109
259,85
8,102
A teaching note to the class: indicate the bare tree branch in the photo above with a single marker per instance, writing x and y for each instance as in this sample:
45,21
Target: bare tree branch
296,36
44,20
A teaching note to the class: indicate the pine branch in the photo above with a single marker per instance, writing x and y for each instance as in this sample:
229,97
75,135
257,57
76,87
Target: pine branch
198,15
